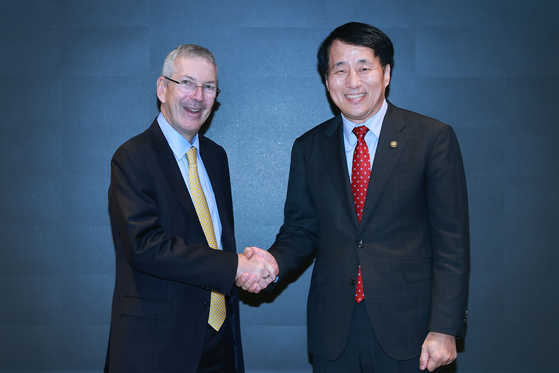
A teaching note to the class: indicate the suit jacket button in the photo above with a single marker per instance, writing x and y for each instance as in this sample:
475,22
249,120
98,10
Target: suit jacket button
207,305
351,282
360,244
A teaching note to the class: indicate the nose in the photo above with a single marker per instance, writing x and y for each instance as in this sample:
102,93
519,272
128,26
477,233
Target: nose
198,94
353,79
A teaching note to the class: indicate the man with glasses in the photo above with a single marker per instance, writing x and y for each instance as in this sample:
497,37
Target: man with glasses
175,306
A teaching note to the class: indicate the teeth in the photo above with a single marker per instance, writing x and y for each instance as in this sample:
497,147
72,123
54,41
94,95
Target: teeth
355,96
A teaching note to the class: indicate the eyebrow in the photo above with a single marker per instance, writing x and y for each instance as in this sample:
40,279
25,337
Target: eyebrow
365,61
194,80
339,64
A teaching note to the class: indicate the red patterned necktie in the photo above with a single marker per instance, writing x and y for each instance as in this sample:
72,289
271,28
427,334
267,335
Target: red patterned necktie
360,174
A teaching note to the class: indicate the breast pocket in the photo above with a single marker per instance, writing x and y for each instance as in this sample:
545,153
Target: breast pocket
406,164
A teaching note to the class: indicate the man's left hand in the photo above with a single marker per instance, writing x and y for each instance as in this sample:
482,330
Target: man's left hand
438,349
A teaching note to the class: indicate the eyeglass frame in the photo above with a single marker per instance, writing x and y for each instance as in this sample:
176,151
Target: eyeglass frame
217,90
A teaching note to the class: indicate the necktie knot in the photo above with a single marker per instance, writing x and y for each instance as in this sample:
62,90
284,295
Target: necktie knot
191,156
360,132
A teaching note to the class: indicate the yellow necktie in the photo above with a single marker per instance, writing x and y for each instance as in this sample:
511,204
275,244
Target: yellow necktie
217,302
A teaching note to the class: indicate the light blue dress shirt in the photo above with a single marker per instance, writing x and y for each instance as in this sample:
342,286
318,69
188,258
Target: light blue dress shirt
179,145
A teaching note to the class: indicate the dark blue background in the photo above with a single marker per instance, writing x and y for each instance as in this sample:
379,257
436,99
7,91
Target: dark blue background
78,78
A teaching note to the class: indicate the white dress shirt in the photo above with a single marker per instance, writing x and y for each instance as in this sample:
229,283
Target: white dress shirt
374,124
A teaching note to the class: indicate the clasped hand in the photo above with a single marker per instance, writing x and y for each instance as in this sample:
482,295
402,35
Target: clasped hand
257,269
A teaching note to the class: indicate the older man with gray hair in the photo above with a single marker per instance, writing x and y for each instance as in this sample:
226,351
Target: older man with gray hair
175,304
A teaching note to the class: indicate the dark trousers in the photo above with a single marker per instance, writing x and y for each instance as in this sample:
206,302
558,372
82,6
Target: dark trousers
219,349
363,353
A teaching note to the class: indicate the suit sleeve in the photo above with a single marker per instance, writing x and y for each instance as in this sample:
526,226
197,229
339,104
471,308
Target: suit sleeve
154,235
297,238
449,222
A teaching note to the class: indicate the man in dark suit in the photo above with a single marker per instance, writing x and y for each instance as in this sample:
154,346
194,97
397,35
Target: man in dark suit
378,194
175,306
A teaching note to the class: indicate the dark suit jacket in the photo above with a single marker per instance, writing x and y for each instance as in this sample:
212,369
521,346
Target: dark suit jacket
165,268
412,243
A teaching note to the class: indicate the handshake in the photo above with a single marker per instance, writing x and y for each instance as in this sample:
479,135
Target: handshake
256,269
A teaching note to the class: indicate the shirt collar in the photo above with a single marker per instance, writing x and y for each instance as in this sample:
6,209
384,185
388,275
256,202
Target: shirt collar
179,145
374,123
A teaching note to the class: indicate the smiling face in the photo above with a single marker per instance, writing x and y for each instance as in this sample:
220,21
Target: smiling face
186,112
356,81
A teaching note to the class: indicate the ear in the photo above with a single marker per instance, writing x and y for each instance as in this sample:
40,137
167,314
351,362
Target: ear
326,81
386,75
161,87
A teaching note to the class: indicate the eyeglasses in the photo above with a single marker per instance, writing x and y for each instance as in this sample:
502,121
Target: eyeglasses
188,86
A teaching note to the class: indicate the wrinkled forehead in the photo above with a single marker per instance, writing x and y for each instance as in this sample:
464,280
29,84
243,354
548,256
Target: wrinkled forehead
197,68
341,52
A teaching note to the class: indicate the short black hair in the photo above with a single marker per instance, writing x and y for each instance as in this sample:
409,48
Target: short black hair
360,34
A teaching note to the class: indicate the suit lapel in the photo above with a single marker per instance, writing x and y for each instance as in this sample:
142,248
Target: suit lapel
170,169
334,157
386,158
168,165
210,163
218,173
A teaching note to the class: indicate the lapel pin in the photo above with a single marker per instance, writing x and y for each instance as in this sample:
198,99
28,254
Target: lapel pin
393,144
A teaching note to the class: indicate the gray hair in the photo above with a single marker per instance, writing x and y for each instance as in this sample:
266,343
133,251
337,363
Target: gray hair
185,51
